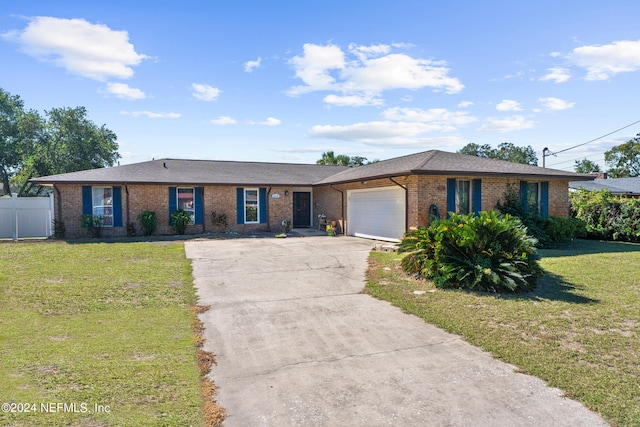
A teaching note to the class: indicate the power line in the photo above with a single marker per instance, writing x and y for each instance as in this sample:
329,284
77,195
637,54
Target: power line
545,149
573,160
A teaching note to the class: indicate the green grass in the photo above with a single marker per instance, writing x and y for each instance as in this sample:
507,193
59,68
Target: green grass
105,324
579,330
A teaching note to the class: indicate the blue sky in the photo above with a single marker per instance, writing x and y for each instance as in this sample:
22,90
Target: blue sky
283,81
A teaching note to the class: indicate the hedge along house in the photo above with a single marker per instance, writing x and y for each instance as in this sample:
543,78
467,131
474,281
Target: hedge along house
380,200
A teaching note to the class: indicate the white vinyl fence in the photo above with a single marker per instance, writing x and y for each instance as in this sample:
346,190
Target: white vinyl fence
22,217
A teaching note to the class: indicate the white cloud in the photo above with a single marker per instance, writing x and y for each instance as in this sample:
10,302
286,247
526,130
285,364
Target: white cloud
314,67
506,125
602,62
152,115
205,92
369,70
509,105
385,133
122,90
250,65
271,121
557,75
439,118
82,48
555,103
353,100
224,120
465,104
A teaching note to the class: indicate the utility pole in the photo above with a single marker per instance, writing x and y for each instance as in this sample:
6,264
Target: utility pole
545,152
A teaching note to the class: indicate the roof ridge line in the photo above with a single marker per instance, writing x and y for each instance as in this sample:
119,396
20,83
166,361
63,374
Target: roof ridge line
429,156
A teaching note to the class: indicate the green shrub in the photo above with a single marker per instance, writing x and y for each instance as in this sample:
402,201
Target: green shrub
93,224
561,229
179,220
149,220
606,216
219,220
489,252
59,229
531,219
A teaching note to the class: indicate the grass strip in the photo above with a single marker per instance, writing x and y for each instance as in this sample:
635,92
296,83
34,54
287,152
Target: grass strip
579,330
98,334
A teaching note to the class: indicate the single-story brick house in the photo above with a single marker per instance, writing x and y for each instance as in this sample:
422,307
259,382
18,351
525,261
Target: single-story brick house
380,200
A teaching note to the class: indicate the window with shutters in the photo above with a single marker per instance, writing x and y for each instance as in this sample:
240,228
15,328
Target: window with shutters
463,197
186,201
102,204
251,206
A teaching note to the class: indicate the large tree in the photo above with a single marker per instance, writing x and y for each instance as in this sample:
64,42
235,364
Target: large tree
624,159
505,151
18,130
330,158
586,166
65,140
69,142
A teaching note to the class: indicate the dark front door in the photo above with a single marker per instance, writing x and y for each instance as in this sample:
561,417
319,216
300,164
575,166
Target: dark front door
301,209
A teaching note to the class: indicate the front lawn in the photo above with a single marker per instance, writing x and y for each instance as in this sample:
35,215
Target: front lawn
579,330
97,334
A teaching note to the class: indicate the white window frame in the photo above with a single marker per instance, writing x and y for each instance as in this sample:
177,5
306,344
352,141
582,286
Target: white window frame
470,207
192,208
257,203
99,209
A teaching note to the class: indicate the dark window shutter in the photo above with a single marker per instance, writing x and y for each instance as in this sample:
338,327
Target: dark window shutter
544,199
523,195
240,204
262,196
477,196
173,201
199,204
451,195
87,200
117,206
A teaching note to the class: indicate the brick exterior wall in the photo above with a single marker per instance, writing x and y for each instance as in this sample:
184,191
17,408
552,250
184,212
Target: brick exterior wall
422,192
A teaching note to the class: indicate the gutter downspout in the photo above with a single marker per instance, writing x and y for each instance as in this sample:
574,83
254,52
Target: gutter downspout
341,207
406,203
126,190
59,203
267,206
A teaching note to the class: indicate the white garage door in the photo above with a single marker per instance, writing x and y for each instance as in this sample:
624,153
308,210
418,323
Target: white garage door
377,213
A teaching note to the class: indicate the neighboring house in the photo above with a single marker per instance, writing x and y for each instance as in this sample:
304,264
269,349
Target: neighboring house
629,187
380,200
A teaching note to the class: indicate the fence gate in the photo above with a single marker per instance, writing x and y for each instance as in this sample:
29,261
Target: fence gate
22,217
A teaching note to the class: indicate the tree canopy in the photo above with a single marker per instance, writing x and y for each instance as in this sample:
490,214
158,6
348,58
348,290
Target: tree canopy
505,151
586,166
624,159
65,140
330,158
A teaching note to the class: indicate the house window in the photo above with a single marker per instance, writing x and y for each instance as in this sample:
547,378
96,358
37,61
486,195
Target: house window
251,206
533,196
463,197
186,201
102,202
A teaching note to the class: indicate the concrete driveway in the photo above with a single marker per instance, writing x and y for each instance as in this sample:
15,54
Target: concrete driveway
298,344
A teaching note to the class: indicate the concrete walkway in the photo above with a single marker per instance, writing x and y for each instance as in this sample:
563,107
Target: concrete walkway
298,344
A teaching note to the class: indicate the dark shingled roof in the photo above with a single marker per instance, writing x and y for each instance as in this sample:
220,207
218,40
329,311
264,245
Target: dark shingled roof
434,162
628,186
172,171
